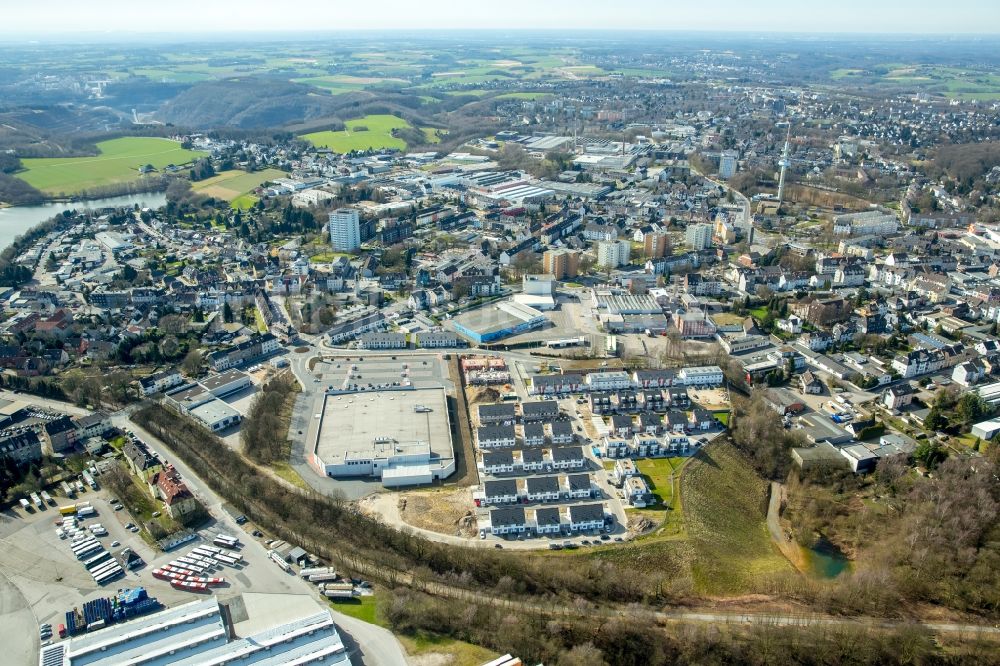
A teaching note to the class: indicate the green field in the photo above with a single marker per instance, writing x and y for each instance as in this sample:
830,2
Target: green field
119,161
433,134
967,83
236,186
725,516
713,536
378,134
524,95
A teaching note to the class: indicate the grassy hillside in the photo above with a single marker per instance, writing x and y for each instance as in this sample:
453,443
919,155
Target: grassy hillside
368,133
725,514
713,538
119,161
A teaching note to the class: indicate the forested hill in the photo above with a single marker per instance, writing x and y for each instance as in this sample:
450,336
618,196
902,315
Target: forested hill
246,103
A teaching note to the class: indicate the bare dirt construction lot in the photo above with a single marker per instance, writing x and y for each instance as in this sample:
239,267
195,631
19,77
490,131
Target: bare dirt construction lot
442,511
712,399
482,394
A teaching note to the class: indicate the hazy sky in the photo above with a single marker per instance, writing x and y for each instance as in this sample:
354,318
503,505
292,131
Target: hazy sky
34,17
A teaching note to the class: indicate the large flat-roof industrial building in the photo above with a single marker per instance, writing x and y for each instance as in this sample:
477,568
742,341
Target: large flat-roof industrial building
402,437
203,632
498,321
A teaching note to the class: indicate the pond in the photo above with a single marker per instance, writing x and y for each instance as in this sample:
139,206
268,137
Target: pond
825,560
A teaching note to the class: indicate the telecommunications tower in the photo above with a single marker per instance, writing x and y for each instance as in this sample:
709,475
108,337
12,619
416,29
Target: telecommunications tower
784,163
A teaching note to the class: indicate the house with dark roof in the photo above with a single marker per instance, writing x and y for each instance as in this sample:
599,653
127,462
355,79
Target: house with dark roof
548,520
651,400
503,491
60,434
160,381
586,517
678,397
675,421
542,489
138,457
498,462
578,486
21,448
92,425
491,437
507,520
621,425
898,396
567,457
532,460
556,384
650,424
534,434
542,410
501,413
600,403
562,432
654,378
701,419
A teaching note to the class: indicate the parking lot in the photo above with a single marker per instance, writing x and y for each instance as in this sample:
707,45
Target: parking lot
43,579
343,372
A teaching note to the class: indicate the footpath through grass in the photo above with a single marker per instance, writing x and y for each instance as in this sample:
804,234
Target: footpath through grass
118,161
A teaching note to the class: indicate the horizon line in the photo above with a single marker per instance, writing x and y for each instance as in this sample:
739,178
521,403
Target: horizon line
30,36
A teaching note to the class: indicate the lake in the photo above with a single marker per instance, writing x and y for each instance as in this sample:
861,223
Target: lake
16,220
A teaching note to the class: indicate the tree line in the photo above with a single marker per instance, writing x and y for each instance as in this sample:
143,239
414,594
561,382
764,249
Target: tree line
264,431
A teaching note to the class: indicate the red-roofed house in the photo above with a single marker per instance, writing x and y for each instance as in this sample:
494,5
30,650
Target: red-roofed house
166,485
58,325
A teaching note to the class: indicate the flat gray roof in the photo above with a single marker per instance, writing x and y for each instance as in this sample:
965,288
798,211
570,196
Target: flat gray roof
221,379
214,411
352,421
487,320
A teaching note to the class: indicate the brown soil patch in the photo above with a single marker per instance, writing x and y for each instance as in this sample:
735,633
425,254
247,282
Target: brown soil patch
443,511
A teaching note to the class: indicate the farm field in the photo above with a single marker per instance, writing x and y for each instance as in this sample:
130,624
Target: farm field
119,161
953,82
377,134
524,95
235,186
